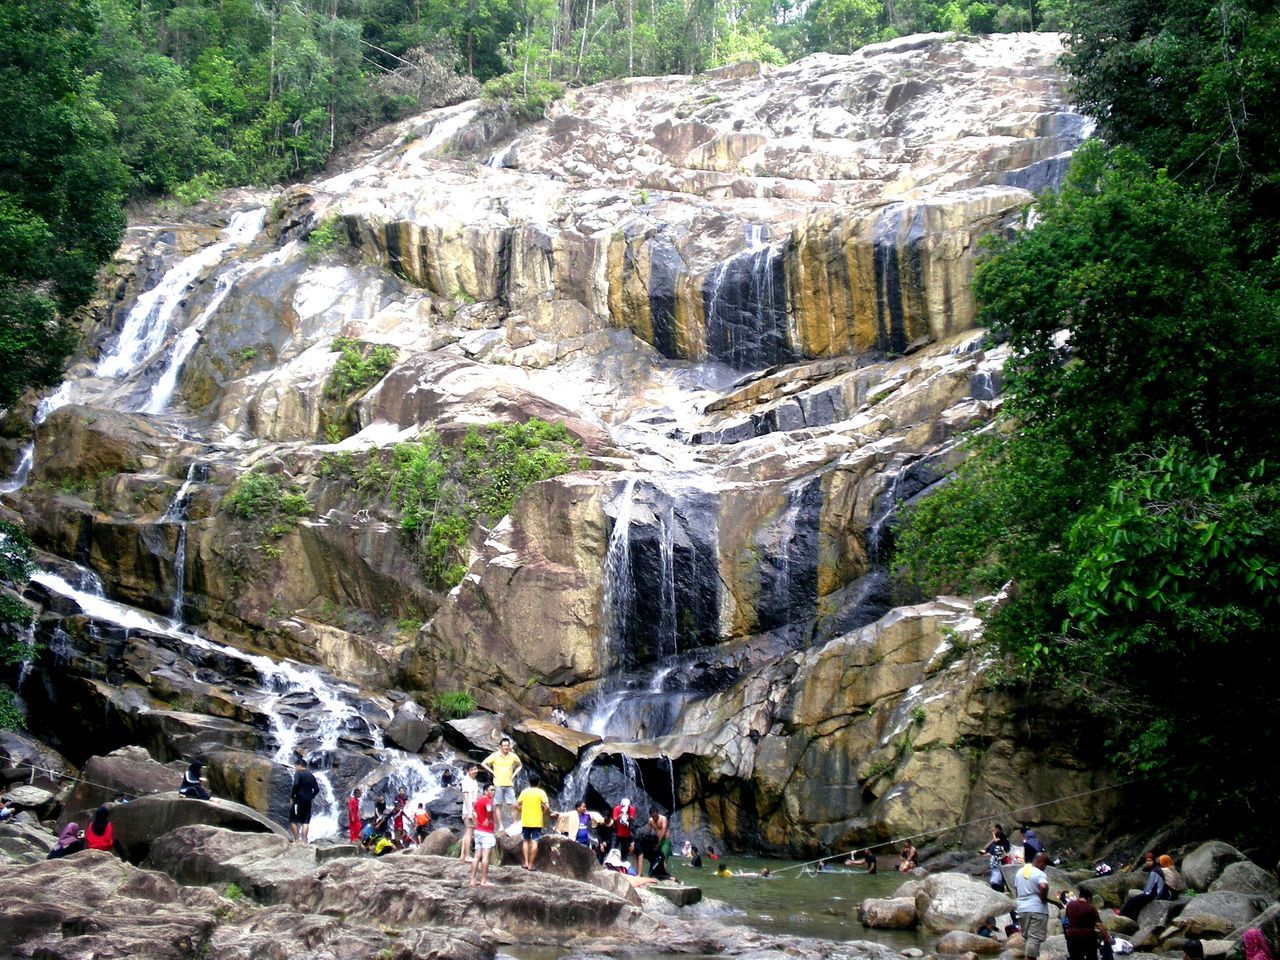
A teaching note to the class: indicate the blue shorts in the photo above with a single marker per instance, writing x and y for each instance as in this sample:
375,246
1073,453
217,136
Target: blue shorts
532,833
504,796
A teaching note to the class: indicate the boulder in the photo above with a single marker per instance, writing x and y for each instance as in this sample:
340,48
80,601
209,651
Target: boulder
1122,925
1205,863
951,901
1114,887
22,841
43,803
436,843
551,747
1217,914
557,855
478,734
1244,876
1054,947
268,868
958,941
895,913
1160,913
26,760
410,727
139,823
676,894
1268,922
129,771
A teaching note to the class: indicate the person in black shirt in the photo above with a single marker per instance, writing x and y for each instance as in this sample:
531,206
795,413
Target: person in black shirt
191,785
305,789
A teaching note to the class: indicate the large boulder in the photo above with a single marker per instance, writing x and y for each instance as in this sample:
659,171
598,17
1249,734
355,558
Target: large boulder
478,734
436,844
557,855
1268,922
1205,863
410,727
1114,887
129,771
551,747
268,868
139,823
1244,876
27,760
1217,914
895,913
24,841
960,941
39,801
951,901
1160,913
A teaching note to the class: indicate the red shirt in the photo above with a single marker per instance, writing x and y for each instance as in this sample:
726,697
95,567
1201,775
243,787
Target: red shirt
484,814
100,841
353,818
624,829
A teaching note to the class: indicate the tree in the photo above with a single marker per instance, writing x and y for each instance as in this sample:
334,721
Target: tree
15,615
61,185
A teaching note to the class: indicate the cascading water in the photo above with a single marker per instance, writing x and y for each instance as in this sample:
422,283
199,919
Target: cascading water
185,342
19,479
147,324
745,304
177,513
619,599
308,713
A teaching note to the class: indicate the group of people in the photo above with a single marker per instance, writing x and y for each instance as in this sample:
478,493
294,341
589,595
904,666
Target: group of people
1001,851
98,834
390,826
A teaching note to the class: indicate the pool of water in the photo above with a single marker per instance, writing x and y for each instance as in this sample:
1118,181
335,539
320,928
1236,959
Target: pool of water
790,902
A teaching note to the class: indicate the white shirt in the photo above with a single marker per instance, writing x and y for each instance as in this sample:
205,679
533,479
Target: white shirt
470,794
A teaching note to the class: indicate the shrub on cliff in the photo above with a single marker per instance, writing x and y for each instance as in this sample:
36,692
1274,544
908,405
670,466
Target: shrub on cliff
15,615
443,491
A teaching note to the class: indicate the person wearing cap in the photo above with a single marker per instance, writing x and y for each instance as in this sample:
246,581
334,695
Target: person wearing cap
624,818
191,785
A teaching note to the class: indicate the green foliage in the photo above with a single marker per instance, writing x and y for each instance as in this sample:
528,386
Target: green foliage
356,371
233,892
454,704
1128,495
525,99
1191,85
270,505
61,185
325,238
442,492
15,615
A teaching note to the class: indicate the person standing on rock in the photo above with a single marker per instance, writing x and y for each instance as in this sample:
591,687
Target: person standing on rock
503,764
470,794
1031,845
1032,890
1084,927
304,792
191,785
354,821
659,825
624,818
535,807
484,838
996,852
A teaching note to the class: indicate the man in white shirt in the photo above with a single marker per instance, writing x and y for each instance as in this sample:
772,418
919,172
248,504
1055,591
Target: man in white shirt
470,794
1031,887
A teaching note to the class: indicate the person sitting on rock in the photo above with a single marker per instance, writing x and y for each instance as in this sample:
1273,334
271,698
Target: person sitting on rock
70,840
1154,889
1173,882
989,929
191,785
100,835
7,809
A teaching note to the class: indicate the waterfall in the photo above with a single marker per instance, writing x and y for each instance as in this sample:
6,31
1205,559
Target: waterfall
177,513
23,470
185,342
307,711
619,585
667,595
28,658
147,323
744,301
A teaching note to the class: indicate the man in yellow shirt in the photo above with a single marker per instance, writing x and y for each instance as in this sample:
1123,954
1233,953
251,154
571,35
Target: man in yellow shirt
535,807
504,765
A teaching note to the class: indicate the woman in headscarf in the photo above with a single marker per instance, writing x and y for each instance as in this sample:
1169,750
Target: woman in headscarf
995,852
70,841
1172,878
191,785
1255,945
100,835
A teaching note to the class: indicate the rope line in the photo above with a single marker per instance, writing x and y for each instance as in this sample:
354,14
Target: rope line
966,823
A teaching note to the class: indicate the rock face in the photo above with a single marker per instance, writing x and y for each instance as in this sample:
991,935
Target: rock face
745,295
951,901
1245,877
139,823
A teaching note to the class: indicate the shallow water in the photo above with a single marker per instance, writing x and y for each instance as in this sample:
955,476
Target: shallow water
791,902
